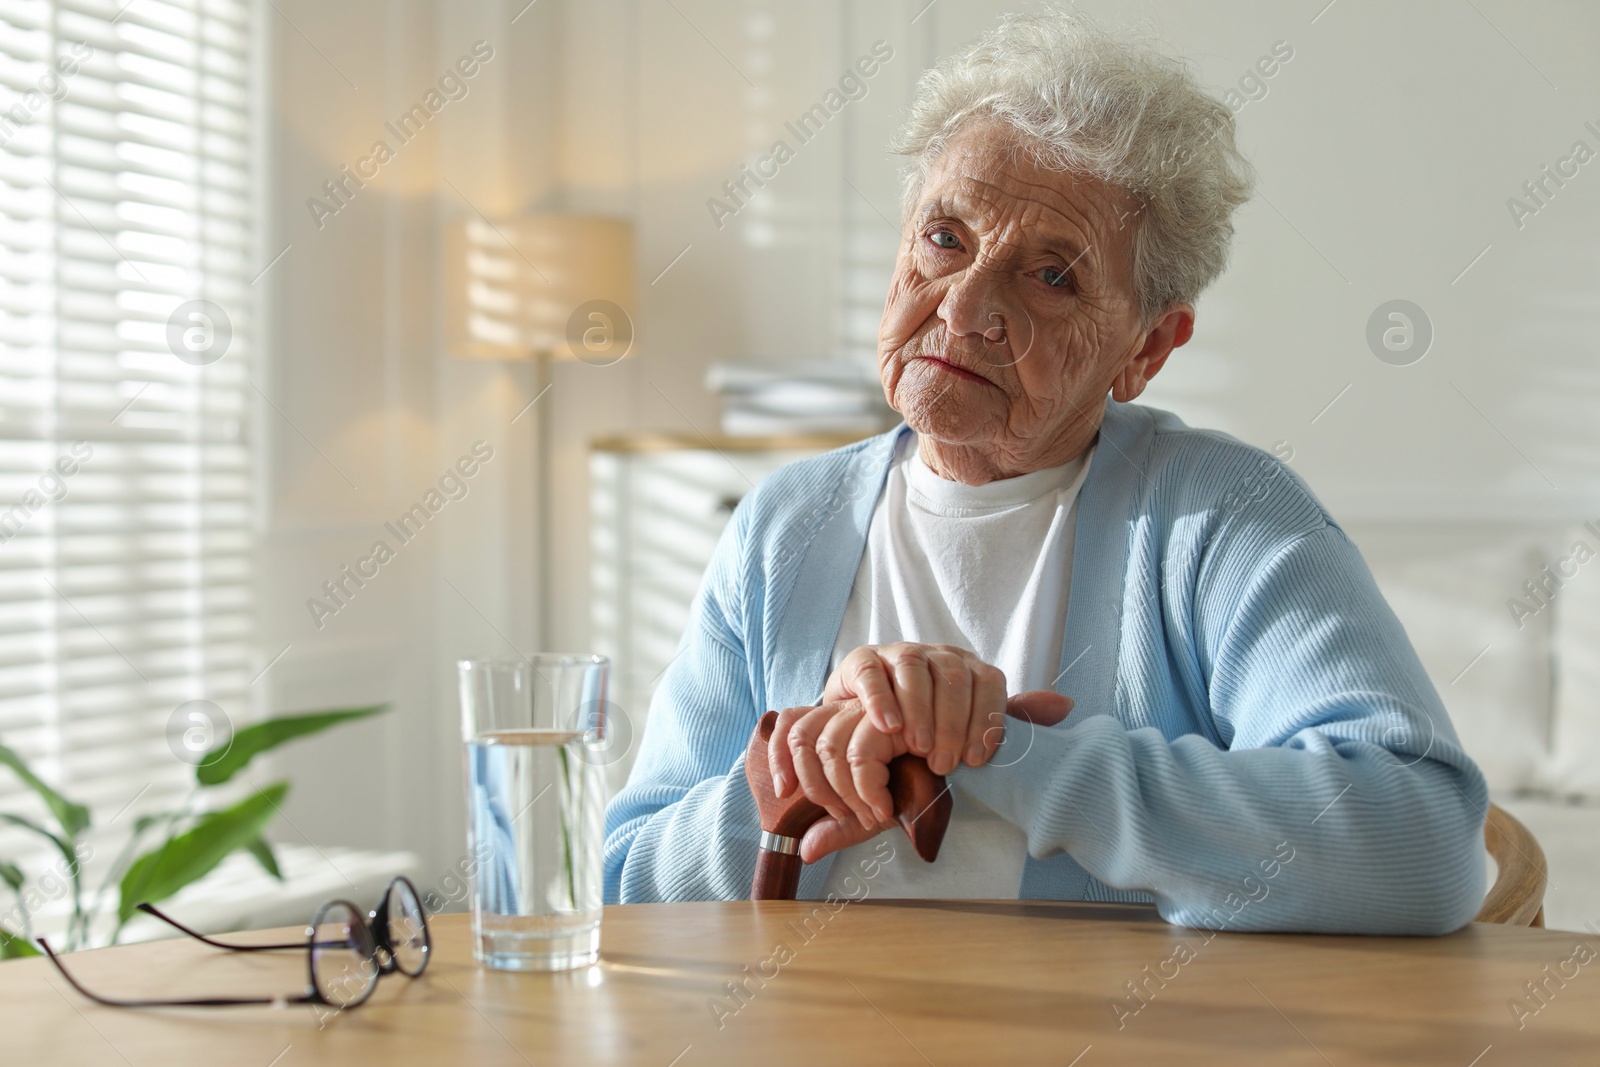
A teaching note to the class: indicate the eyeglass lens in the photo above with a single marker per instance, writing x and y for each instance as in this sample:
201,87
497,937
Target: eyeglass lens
343,964
407,928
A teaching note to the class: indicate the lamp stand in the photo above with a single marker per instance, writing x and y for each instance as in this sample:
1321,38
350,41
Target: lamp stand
544,466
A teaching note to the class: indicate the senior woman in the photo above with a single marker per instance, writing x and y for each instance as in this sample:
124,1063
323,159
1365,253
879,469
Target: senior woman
1251,744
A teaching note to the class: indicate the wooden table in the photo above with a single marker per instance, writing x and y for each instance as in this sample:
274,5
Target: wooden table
880,983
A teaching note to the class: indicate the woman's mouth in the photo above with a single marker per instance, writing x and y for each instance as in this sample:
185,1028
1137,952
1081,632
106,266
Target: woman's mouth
950,368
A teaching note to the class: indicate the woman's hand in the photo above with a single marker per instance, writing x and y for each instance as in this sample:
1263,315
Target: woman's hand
948,704
838,752
840,761
943,700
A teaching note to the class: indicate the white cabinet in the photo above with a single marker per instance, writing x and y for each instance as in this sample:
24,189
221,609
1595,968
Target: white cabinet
657,507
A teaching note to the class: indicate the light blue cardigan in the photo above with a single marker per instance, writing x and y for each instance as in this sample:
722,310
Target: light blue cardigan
1255,745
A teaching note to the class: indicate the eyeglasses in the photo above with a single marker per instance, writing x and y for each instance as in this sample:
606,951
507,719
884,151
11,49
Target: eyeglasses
346,953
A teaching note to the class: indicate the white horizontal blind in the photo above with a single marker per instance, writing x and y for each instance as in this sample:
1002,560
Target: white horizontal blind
126,133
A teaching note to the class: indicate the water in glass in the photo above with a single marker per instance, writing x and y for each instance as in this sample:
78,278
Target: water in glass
536,810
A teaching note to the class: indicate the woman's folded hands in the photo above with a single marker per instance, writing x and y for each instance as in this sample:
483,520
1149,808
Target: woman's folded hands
936,701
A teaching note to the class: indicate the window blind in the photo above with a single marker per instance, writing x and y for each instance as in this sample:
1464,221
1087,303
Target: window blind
126,196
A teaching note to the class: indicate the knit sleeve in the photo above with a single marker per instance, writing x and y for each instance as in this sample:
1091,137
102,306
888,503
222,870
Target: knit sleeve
1340,800
685,826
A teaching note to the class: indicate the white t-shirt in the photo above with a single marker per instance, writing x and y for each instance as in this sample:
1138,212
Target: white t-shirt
985,568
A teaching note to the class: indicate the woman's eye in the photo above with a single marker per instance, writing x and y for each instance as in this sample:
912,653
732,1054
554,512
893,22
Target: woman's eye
1057,279
945,239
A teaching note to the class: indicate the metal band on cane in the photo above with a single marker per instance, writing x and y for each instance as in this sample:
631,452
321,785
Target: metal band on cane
789,846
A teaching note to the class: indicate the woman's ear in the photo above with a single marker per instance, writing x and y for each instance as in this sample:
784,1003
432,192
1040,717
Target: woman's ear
1171,330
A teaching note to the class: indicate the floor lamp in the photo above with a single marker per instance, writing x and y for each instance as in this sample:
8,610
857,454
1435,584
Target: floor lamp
541,288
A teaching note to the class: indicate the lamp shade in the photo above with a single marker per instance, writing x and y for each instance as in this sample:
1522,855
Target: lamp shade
560,286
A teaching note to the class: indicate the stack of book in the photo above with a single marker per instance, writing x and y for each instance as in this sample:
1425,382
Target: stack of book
760,399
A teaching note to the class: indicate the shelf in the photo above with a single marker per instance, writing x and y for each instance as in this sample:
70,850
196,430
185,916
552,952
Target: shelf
634,444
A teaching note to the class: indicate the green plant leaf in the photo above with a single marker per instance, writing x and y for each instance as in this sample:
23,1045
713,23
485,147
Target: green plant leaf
11,875
192,855
252,740
64,847
13,947
261,849
73,818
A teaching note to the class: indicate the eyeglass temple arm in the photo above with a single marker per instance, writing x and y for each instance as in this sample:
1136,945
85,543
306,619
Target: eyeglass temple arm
150,909
198,1002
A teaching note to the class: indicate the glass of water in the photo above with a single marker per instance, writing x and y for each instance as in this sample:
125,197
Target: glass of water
536,733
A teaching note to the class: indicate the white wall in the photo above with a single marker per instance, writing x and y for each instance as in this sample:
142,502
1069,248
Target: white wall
1387,148
366,415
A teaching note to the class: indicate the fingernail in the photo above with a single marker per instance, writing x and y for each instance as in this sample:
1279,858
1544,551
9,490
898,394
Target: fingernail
942,763
924,740
891,719
779,784
974,754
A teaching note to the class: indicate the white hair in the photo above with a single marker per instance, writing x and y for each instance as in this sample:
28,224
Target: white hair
1114,109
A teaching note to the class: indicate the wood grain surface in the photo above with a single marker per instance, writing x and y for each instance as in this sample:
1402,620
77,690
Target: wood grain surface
875,982
1517,896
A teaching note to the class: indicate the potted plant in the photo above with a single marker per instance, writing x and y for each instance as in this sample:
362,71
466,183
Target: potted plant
194,837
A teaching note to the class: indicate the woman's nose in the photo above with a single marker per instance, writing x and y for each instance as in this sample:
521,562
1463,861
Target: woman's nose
972,305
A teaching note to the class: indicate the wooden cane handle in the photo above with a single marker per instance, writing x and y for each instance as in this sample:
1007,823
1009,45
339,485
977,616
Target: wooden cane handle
777,874
922,804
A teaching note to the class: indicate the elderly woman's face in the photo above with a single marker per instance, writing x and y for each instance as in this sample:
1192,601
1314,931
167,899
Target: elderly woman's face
1012,311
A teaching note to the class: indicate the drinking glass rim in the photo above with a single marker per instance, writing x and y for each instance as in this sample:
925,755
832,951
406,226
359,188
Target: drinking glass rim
538,659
